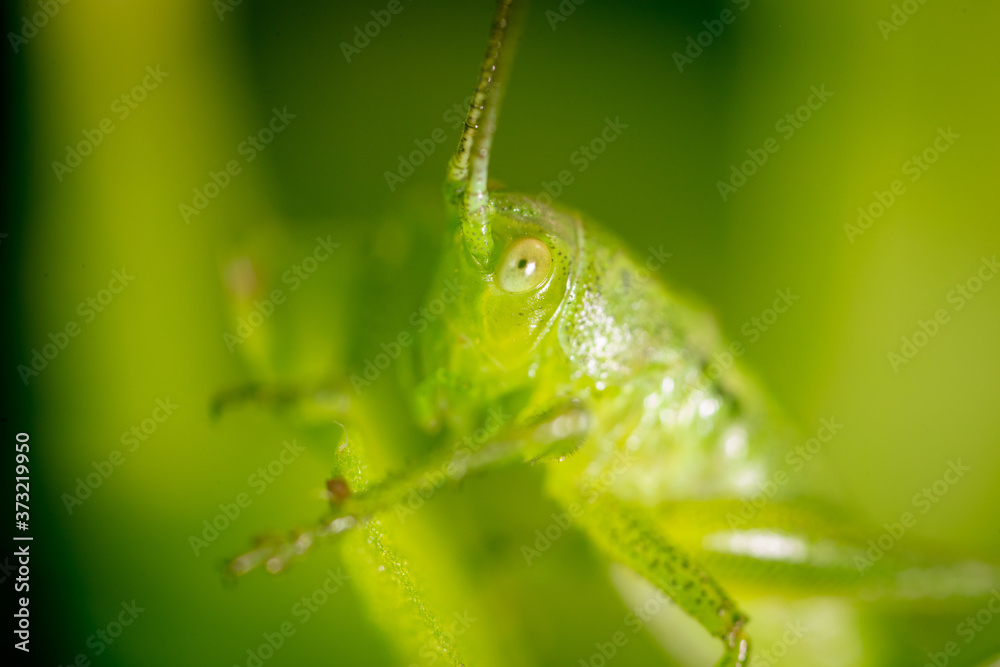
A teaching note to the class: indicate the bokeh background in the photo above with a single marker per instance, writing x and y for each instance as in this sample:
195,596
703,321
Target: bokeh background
230,65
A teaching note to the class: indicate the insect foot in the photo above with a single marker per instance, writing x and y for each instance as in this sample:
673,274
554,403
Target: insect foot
737,652
276,552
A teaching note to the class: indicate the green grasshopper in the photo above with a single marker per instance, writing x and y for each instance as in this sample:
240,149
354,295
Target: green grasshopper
609,381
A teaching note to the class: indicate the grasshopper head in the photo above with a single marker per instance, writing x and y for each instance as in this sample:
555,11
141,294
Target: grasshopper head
497,318
507,271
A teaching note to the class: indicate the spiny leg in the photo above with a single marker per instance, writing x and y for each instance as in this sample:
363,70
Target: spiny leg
558,433
349,509
629,536
328,402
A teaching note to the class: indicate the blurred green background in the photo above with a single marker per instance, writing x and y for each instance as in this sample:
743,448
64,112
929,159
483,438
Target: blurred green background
227,66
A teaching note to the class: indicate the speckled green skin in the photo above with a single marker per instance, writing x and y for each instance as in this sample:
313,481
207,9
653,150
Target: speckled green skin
602,339
604,333
603,377
661,440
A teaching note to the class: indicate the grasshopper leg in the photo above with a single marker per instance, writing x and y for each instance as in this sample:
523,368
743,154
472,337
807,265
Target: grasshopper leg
349,508
557,433
627,536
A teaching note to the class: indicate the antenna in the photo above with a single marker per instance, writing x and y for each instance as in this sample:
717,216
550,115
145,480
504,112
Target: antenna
465,188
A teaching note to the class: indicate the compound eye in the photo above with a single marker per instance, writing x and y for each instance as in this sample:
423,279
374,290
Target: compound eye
524,266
